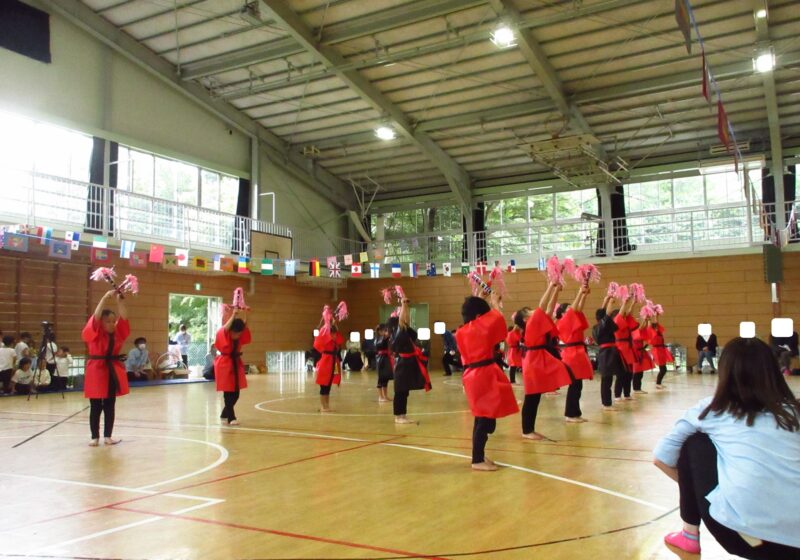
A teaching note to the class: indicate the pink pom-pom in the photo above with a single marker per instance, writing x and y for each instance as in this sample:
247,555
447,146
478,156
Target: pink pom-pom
401,295
622,292
514,317
342,312
497,281
395,313
659,310
637,293
387,294
102,274
327,318
587,273
568,267
238,299
131,284
554,270
613,289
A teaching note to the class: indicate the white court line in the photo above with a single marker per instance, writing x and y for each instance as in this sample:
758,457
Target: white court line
223,456
120,528
340,414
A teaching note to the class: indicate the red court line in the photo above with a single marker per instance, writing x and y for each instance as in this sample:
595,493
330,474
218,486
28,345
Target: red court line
282,533
212,481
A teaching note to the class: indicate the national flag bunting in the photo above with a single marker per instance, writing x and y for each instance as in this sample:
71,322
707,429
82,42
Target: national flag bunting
412,270
348,260
289,267
723,129
74,239
200,263
684,22
706,91
99,242
126,248
45,234
243,268
364,257
430,269
480,268
58,249
464,268
355,270
447,269
99,255
266,267
334,270
183,257
375,270
138,259
16,242
313,267
397,270
156,254
512,266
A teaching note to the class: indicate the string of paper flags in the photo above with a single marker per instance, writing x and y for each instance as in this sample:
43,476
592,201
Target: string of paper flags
19,237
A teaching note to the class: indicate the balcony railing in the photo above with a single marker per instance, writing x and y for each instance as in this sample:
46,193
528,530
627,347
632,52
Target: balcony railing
39,199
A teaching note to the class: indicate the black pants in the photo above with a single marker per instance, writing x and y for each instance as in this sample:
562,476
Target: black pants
572,408
185,359
51,368
637,381
400,402
697,477
370,356
605,389
530,407
448,360
622,385
480,435
5,379
106,407
662,371
22,389
229,398
512,373
58,383
325,389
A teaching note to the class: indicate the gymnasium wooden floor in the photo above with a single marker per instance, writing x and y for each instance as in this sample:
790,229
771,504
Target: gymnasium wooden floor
290,483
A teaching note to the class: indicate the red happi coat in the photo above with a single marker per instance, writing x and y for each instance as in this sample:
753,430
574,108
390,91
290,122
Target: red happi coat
655,337
570,331
513,351
644,361
624,339
488,390
542,372
95,385
329,368
226,377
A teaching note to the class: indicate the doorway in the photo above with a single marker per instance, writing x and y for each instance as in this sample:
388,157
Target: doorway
202,317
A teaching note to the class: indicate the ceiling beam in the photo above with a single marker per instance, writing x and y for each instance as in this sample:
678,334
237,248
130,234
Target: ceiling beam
537,59
457,178
773,116
337,33
316,178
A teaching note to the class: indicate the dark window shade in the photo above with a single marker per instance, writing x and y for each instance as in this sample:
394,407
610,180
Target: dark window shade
25,30
622,244
241,233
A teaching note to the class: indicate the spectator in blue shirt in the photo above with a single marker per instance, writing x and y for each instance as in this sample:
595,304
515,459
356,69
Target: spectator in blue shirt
137,363
450,356
736,459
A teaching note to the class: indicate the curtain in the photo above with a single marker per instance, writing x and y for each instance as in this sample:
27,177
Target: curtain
768,199
25,30
95,218
241,227
479,230
622,244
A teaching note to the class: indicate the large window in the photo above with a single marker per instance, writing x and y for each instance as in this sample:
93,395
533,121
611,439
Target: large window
176,181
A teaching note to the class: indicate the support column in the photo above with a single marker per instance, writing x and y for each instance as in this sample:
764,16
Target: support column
608,220
380,234
469,234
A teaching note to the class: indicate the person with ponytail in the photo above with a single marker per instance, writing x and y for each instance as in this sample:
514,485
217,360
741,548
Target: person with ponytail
736,459
513,350
542,368
655,337
609,361
385,361
329,344
229,371
625,324
571,324
411,365
488,390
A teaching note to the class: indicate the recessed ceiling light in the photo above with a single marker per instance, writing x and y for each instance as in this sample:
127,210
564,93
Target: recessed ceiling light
764,62
503,37
385,133
761,14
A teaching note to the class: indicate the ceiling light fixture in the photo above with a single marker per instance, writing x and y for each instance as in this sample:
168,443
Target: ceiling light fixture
503,37
761,14
385,133
764,62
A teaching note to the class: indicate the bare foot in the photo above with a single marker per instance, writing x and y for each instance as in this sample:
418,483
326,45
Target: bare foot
609,409
486,467
326,410
574,419
534,436
111,441
233,422
94,443
403,420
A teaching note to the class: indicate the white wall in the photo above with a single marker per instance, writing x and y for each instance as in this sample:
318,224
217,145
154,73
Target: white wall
90,88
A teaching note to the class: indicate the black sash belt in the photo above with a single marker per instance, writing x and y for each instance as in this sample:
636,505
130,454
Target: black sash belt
481,363
572,344
111,358
537,347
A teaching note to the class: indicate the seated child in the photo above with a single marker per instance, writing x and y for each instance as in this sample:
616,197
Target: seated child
63,363
23,377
